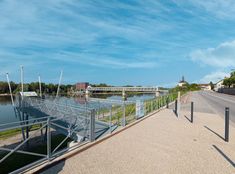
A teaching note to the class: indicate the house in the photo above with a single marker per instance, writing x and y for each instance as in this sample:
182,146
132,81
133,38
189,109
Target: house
82,86
182,82
219,85
205,86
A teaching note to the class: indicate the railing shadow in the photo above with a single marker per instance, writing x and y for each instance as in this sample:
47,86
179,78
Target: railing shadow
55,167
214,132
188,119
224,155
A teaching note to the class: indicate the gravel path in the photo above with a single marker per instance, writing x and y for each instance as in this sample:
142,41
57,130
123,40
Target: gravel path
162,143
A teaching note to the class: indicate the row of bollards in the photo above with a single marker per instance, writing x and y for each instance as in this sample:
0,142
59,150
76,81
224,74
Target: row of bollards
226,136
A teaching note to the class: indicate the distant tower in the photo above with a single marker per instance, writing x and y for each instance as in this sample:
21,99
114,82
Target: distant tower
182,78
182,82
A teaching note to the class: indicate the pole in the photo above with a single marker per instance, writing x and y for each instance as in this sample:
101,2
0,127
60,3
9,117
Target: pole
167,102
176,106
9,85
124,114
48,139
58,89
40,87
191,112
110,120
22,80
227,124
92,125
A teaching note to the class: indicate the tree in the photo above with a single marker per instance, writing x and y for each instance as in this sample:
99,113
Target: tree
227,82
212,85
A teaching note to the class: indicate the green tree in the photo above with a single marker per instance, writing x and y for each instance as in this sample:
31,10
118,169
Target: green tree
212,85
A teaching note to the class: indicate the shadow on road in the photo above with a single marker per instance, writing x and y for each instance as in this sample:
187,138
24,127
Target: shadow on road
214,132
225,156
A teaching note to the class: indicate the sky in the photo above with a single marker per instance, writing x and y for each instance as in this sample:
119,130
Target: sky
118,42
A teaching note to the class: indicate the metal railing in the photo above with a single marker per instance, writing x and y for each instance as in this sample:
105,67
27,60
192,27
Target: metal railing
76,124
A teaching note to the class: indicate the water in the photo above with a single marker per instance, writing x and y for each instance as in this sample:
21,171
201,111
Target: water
7,114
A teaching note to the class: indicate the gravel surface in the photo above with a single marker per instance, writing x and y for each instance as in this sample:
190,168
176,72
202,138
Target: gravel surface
162,143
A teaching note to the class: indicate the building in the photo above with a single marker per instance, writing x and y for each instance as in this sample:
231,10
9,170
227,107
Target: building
219,85
182,82
82,86
205,86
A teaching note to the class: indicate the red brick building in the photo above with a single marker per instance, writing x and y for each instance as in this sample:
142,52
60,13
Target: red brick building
81,86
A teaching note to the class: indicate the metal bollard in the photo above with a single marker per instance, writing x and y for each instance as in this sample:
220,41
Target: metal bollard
167,102
226,124
176,106
191,112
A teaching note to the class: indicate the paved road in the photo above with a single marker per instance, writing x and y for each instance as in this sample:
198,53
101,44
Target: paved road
211,102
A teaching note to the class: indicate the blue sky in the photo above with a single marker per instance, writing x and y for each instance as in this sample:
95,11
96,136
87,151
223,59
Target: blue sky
136,42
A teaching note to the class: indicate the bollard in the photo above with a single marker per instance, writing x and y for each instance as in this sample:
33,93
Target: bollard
226,124
191,112
167,102
176,106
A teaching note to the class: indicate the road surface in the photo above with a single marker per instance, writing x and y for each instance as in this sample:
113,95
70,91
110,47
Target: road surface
210,102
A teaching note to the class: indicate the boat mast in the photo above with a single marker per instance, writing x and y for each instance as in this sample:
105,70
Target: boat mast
58,89
9,85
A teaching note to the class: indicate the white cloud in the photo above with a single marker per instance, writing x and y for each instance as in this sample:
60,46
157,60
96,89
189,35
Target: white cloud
222,9
222,56
214,77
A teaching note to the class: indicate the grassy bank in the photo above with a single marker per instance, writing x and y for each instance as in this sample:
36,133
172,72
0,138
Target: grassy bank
9,133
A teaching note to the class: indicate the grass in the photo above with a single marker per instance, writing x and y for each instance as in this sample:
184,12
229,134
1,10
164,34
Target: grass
9,133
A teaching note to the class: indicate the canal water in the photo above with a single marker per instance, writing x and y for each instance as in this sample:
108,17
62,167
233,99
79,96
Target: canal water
7,114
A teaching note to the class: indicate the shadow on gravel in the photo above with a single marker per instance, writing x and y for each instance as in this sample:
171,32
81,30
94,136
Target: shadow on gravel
225,156
175,113
214,132
188,119
55,168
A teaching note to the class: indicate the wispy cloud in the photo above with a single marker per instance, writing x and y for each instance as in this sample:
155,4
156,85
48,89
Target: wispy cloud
108,36
214,77
222,56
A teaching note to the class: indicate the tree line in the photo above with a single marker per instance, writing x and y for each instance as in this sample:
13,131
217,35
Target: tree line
34,86
229,82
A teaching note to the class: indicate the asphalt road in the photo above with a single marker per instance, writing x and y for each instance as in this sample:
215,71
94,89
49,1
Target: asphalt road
211,102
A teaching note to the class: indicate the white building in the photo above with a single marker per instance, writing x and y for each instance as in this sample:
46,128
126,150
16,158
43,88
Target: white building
182,82
219,85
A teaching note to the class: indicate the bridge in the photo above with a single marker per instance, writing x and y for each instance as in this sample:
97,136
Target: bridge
155,90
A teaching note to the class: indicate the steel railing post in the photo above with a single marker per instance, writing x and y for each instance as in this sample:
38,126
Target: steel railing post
110,120
167,102
124,114
92,125
227,124
191,112
151,105
48,138
178,107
